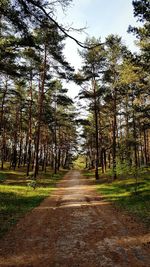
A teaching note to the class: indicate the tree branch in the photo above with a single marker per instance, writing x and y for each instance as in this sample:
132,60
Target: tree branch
81,44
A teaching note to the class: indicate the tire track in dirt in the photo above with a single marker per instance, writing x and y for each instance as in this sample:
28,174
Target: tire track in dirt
75,227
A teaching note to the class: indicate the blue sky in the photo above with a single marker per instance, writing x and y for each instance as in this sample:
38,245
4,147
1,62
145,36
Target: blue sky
101,18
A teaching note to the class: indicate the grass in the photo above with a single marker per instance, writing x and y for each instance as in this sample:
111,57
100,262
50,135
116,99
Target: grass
18,195
126,193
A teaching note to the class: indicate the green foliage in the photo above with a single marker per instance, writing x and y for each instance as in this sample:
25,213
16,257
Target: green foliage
142,9
121,169
2,177
79,163
124,170
32,184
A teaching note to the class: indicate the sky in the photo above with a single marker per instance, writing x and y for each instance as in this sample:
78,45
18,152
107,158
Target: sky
100,18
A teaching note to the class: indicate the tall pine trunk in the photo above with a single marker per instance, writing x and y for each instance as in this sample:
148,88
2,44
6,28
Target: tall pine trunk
96,129
40,110
2,126
30,128
21,141
145,148
114,131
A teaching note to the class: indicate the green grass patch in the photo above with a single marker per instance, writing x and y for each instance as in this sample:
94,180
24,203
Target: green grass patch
88,174
131,191
18,195
129,195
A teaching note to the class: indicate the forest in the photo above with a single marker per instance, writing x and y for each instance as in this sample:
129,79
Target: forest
38,120
42,135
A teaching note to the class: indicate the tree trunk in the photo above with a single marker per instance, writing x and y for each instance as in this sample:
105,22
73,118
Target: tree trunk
114,136
25,150
96,129
41,97
145,148
30,127
15,141
134,136
102,160
105,161
20,145
2,126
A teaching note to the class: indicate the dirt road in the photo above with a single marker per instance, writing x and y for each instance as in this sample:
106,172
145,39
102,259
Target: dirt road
75,227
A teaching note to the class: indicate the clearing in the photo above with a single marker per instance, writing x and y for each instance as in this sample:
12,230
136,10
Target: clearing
75,227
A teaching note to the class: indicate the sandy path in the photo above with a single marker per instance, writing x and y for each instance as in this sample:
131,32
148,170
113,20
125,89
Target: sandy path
76,228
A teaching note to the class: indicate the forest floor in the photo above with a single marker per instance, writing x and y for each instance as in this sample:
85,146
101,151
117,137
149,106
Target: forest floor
76,227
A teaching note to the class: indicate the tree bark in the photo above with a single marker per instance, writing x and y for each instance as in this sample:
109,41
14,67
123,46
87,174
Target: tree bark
41,97
96,129
2,126
30,127
114,135
145,148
